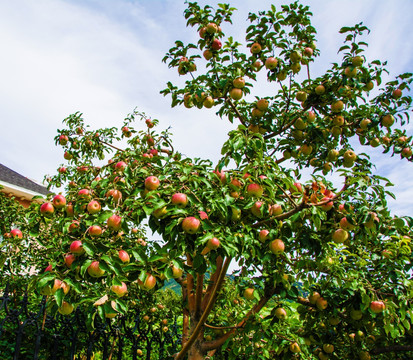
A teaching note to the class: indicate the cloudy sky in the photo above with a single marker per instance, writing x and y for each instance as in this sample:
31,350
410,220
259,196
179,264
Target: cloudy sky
103,58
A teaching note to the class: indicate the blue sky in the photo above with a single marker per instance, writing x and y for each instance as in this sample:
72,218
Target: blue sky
103,58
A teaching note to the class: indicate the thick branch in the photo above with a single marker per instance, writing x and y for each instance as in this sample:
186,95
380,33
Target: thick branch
198,296
206,312
212,281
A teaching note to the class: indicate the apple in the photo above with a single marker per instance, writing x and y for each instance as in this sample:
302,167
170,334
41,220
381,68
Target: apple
357,61
152,183
69,258
356,314
280,313
275,209
216,44
83,193
213,243
191,225
349,155
67,155
238,83
406,152
311,116
387,120
16,234
340,236
256,209
314,297
328,348
115,194
62,170
208,54
295,348
209,102
66,308
295,57
320,89
308,51
301,96
337,106
74,226
350,71
277,246
93,207
306,149
63,139
235,214
396,94
179,199
282,75
255,190
150,282
120,290
296,188
95,230
334,321
263,235
249,294
48,268
176,272
296,67
321,303
271,63
212,28
377,306
387,254
256,48
120,166
114,222
346,225
76,247
94,270
47,209
203,215
235,94
369,86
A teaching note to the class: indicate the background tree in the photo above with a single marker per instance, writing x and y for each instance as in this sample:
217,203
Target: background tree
289,236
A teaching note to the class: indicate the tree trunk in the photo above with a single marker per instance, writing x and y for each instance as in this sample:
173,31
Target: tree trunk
195,353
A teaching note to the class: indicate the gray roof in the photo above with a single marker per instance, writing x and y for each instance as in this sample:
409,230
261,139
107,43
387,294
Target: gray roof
9,176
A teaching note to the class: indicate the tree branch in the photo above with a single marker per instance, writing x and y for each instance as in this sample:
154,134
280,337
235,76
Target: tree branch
198,295
392,348
234,108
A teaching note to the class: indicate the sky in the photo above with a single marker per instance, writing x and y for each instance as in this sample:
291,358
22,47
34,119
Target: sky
103,58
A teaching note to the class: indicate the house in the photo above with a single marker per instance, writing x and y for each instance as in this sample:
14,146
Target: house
19,186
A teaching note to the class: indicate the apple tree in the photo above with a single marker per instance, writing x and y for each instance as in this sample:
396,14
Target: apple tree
323,267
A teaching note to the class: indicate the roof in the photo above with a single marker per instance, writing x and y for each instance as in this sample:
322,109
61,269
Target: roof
9,177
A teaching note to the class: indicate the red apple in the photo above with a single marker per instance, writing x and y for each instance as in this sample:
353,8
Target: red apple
93,207
271,63
67,155
115,194
179,199
114,222
345,224
256,209
120,166
256,48
69,258
62,170
328,204
124,256
321,303
63,139
191,225
397,94
47,209
275,209
73,226
95,230
59,201
76,247
120,290
152,183
48,268
213,243
337,106
216,45
296,188
255,190
94,270
16,234
277,246
263,235
377,306
387,120
406,152
83,193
